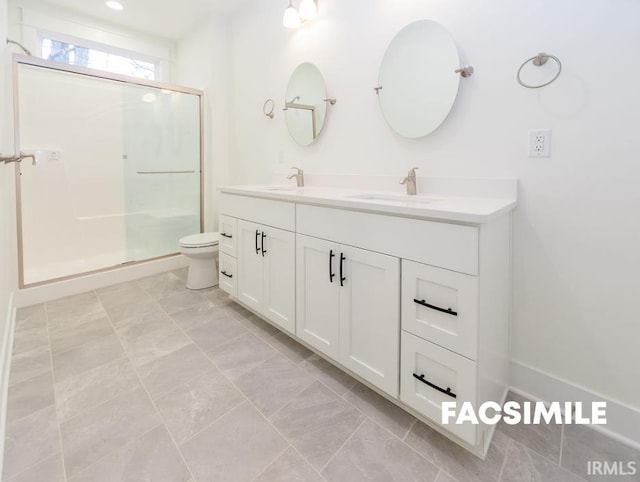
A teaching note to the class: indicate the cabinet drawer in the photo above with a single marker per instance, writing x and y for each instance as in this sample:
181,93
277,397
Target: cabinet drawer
441,368
228,239
227,267
449,246
278,214
441,306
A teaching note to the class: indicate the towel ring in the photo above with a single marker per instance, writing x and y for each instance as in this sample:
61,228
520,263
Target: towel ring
267,108
538,61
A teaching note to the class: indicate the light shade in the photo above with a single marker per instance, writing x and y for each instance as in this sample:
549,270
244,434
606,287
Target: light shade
308,10
291,18
113,5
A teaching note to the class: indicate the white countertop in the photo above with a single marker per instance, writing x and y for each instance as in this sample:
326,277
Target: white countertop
475,210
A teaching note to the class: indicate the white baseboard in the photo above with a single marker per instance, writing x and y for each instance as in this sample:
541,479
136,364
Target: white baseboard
5,368
60,289
623,421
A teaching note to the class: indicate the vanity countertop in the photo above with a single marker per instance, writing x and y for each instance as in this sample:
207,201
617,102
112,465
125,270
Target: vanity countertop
474,210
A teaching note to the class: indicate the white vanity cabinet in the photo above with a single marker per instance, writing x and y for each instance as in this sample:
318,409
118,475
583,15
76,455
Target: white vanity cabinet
348,307
418,308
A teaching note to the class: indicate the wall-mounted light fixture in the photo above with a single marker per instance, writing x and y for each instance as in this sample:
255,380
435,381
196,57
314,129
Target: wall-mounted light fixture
293,17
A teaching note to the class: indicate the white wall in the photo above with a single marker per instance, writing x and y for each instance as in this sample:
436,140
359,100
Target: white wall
204,62
576,229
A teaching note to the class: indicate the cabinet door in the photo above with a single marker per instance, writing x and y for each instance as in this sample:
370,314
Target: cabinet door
370,317
279,274
250,261
317,294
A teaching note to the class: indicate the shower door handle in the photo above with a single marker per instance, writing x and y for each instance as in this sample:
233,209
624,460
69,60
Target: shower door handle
264,251
257,236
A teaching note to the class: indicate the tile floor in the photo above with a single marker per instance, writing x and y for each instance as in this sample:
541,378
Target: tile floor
147,381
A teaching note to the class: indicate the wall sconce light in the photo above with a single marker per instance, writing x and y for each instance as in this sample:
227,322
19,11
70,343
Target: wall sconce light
293,17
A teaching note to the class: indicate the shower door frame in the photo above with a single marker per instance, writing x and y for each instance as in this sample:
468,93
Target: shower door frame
99,74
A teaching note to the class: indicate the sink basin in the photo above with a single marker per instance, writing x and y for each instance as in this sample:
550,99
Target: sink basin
401,199
282,188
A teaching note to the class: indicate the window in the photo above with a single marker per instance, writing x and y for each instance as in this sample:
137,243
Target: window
97,59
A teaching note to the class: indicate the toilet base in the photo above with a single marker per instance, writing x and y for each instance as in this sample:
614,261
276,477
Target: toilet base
202,274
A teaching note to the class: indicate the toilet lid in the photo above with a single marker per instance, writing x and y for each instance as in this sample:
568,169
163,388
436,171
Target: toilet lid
200,240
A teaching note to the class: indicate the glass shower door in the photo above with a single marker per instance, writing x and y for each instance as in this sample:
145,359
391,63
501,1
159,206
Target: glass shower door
117,176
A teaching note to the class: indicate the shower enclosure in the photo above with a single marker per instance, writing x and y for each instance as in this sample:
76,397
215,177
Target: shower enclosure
118,172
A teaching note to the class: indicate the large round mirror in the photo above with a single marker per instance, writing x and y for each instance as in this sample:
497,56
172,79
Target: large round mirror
305,106
418,84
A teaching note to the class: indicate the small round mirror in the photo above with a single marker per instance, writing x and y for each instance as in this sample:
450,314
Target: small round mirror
305,106
418,83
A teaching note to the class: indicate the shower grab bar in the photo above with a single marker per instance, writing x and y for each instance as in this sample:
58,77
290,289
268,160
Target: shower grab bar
166,172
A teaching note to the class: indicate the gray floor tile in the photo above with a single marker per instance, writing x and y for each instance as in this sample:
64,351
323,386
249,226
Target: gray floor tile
142,323
273,384
89,389
73,310
50,470
191,407
237,447
64,338
375,454
444,477
165,373
86,357
29,317
317,422
179,301
30,396
289,347
582,444
162,285
258,326
522,465
145,343
123,295
390,416
241,355
121,309
197,315
105,428
26,313
30,339
152,457
29,364
212,334
31,440
455,460
290,467
329,375
542,438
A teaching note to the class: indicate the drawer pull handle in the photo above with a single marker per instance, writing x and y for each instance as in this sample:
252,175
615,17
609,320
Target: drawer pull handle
342,278
262,244
226,274
225,235
435,387
257,235
448,311
331,273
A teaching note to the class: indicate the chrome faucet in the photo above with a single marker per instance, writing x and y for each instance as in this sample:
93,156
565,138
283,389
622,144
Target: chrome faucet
299,176
410,181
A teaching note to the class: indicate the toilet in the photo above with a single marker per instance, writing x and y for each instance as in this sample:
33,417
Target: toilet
201,249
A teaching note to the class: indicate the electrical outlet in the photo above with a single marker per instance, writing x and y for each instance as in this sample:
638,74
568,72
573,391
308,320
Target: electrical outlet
540,143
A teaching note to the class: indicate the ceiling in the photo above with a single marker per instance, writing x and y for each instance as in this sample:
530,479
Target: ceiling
164,18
